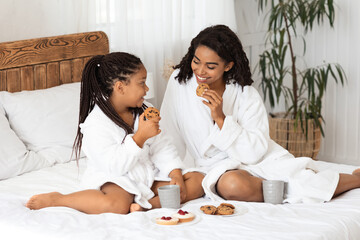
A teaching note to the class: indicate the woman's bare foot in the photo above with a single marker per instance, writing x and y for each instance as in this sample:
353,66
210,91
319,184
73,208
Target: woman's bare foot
43,200
134,207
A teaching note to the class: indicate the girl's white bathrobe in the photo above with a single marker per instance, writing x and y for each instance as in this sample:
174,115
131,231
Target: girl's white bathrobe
114,157
242,143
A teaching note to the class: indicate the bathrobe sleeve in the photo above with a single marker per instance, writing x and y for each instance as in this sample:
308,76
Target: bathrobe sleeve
106,149
245,134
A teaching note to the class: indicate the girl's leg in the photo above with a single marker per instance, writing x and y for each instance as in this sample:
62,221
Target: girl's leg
111,198
241,186
348,182
192,182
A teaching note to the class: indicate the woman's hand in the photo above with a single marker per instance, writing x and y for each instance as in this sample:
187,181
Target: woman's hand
215,104
177,179
147,129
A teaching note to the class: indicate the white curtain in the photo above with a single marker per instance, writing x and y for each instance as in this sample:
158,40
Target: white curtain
157,31
154,30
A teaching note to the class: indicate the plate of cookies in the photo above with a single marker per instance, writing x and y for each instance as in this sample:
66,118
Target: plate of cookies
223,209
175,218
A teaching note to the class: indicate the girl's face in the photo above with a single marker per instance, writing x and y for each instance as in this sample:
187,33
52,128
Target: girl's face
135,90
208,67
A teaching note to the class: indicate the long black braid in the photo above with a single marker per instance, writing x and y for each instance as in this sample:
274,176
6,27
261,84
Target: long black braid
98,78
227,45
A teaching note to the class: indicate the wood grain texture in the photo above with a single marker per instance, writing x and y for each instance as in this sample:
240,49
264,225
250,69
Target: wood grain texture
52,49
27,78
47,62
52,74
40,76
13,83
2,80
76,69
65,72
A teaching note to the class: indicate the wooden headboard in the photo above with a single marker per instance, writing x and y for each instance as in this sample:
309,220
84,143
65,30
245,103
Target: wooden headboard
47,62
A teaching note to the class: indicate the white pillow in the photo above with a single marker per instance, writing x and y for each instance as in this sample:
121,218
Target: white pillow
42,130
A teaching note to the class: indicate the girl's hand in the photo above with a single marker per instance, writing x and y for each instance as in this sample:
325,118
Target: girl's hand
177,179
215,104
146,129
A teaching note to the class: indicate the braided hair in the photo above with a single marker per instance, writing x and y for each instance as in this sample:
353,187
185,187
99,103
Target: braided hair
227,45
100,74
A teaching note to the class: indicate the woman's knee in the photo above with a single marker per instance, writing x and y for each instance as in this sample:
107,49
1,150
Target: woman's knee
234,185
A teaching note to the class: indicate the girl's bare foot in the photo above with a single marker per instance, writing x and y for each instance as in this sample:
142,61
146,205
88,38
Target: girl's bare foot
43,200
356,172
134,207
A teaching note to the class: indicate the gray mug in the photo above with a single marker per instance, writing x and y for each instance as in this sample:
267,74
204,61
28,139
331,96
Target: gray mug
169,196
273,191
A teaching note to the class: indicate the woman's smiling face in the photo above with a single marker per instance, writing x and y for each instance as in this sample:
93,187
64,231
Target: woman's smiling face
208,66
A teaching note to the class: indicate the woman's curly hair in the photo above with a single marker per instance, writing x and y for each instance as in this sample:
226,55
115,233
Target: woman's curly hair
227,45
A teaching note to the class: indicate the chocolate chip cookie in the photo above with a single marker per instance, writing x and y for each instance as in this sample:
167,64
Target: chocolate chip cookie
201,88
208,209
151,112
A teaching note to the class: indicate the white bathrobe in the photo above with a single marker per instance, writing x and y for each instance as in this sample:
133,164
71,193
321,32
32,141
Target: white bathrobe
112,157
242,143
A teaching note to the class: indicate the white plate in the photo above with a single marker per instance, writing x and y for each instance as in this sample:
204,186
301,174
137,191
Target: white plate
196,220
239,210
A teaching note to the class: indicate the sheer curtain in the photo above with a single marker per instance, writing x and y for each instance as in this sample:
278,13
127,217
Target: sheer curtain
157,31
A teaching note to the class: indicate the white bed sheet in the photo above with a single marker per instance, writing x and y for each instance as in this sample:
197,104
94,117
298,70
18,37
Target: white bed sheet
337,219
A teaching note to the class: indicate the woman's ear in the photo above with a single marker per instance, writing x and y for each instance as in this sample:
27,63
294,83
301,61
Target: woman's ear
229,66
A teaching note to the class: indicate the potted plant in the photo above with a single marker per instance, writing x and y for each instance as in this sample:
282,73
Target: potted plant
302,89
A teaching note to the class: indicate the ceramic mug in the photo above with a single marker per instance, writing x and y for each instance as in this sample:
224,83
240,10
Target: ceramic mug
273,191
169,196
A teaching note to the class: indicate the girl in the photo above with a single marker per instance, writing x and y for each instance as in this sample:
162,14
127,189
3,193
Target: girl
125,152
227,135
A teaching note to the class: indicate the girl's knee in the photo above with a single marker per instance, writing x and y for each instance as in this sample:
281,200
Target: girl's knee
111,205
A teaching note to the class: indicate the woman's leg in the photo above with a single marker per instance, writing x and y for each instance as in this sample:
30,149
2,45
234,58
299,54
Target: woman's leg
193,183
111,198
241,186
348,182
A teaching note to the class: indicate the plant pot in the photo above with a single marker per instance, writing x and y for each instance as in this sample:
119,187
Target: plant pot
283,131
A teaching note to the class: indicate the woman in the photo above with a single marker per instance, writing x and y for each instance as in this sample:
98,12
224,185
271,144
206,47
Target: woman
225,131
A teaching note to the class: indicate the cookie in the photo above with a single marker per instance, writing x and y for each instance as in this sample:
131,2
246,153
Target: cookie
227,205
151,112
224,210
208,209
201,88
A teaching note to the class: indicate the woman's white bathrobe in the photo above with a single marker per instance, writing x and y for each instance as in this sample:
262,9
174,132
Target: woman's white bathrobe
112,157
242,143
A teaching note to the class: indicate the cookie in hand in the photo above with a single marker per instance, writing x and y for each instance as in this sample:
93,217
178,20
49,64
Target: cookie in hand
201,88
151,112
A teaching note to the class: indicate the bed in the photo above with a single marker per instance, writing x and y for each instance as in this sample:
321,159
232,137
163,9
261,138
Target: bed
38,116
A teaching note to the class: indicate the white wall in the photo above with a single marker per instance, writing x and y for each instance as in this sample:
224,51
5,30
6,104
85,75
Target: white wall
24,19
341,106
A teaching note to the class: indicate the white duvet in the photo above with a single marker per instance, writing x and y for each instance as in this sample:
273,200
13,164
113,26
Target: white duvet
337,219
